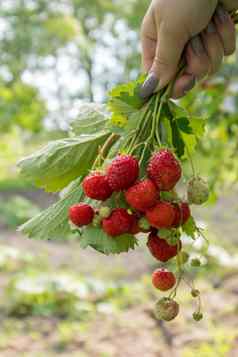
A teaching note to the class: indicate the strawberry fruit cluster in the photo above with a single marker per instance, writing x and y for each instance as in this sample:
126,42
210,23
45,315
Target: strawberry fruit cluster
150,205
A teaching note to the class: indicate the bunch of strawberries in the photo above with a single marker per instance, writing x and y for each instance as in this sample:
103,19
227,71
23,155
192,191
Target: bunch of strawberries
148,210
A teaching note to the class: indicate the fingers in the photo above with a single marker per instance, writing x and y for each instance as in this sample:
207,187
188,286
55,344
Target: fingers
161,60
214,47
170,45
226,30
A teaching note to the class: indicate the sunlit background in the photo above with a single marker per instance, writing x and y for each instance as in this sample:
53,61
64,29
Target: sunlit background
55,298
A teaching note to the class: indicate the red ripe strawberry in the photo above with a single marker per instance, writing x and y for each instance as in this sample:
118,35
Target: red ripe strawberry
81,214
160,249
118,223
135,229
177,216
123,172
186,213
164,169
96,186
161,215
142,195
163,279
181,210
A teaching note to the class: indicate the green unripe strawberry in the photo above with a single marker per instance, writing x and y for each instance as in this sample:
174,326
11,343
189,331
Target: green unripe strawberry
195,262
166,309
198,191
197,316
104,212
97,221
195,293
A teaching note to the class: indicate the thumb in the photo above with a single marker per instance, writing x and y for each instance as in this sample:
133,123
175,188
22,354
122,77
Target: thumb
169,49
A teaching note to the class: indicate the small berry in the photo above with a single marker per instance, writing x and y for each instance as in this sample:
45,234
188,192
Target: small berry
198,191
164,169
195,293
197,316
96,186
163,279
97,221
104,212
142,195
195,262
118,223
166,309
81,214
123,172
161,215
160,249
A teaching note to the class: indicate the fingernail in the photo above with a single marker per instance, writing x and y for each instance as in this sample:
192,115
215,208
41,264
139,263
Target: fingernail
149,86
189,85
222,14
211,28
197,45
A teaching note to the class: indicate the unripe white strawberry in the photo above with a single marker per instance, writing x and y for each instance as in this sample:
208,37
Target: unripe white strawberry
198,191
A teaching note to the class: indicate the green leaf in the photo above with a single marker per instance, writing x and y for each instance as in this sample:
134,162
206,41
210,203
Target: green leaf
99,240
184,125
53,222
60,162
125,98
92,118
198,126
190,228
177,111
178,141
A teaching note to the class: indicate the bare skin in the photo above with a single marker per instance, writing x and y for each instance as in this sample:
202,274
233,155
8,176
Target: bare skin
200,30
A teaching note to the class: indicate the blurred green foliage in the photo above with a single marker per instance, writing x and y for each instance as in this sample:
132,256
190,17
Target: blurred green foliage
16,210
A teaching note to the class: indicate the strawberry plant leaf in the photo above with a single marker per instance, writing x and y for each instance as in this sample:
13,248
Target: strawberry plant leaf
190,228
91,119
60,162
184,125
125,98
99,240
53,222
177,138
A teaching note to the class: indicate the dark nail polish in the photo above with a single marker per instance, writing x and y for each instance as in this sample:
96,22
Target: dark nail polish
222,14
211,28
197,45
190,85
149,86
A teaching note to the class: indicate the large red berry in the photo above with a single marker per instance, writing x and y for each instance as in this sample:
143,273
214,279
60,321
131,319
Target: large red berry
160,249
96,186
135,228
164,169
81,214
163,279
182,214
161,215
123,172
142,195
118,223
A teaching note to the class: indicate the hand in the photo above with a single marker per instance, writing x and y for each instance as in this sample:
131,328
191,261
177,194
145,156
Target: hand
167,29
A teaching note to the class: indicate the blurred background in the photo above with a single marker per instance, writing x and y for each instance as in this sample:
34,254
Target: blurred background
55,298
